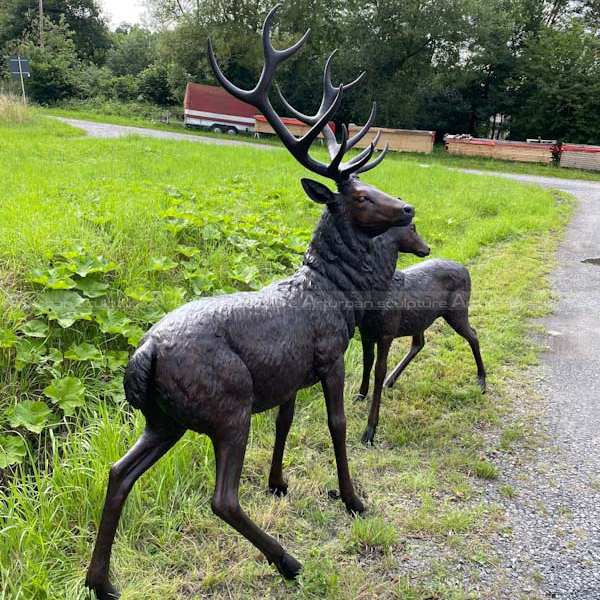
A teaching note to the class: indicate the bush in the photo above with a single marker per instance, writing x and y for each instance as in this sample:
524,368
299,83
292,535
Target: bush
95,81
154,84
113,107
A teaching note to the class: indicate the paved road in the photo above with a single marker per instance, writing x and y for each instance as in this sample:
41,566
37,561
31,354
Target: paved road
107,130
554,551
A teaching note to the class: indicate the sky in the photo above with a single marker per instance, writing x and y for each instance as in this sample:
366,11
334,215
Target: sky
130,11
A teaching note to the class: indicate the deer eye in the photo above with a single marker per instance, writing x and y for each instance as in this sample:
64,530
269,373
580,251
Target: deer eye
361,199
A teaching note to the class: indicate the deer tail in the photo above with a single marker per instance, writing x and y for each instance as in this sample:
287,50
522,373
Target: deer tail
139,375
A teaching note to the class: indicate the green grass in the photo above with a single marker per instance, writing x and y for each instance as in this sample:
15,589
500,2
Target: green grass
372,533
133,202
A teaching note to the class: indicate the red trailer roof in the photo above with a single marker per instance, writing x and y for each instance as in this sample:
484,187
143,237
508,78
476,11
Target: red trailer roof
209,98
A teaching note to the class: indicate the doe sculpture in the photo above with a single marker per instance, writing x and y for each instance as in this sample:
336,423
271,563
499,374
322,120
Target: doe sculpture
417,297
210,364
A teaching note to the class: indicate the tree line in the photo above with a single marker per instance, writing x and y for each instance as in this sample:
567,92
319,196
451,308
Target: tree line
445,65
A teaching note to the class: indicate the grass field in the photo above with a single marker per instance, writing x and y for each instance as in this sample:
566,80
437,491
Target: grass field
98,238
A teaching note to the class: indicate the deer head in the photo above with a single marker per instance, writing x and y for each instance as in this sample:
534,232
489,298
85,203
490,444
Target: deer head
368,209
408,240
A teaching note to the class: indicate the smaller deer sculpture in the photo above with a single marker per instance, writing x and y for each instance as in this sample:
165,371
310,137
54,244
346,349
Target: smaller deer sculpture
418,296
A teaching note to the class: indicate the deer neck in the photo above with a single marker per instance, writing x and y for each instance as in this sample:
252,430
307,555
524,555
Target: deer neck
345,258
385,250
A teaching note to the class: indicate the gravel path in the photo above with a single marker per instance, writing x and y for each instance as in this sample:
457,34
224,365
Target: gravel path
550,543
107,130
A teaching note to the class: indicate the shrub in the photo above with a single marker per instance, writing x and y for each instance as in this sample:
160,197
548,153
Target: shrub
154,84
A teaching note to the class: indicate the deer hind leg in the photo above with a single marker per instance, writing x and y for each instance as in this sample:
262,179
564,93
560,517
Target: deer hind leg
459,321
418,342
277,484
152,444
368,347
230,442
383,348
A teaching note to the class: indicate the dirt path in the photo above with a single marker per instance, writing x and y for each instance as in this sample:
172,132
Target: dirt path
550,545
107,130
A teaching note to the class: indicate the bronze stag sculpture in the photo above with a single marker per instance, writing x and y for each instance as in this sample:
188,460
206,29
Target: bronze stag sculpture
417,297
209,365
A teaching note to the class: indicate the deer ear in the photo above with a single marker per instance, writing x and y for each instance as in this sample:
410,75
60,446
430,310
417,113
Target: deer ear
318,192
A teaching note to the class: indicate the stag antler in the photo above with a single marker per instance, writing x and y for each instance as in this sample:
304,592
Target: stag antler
332,96
360,163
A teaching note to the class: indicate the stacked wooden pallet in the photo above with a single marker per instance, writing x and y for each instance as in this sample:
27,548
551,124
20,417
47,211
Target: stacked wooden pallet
399,140
580,156
500,149
295,127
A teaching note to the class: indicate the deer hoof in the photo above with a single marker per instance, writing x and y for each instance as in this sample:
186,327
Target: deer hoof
355,506
288,566
360,397
481,382
104,590
368,437
388,383
278,489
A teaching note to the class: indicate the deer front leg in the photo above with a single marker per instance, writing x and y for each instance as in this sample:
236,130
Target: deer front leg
333,389
230,447
383,348
277,484
368,347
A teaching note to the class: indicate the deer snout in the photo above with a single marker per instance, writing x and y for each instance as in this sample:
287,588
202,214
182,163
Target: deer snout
424,251
407,213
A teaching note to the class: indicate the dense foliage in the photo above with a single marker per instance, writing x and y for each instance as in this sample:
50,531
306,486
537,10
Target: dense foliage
446,65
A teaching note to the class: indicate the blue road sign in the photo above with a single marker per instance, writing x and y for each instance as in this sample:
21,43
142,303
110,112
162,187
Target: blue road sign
19,66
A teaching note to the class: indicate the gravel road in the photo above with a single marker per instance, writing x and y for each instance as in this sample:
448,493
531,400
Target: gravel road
107,130
550,543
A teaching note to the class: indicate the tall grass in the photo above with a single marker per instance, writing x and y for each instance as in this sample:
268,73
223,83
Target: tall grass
14,112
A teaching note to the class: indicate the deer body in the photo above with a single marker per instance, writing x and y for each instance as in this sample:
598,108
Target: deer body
210,364
417,297
243,342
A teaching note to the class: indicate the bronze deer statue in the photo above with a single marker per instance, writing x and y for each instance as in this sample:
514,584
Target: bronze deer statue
418,296
210,364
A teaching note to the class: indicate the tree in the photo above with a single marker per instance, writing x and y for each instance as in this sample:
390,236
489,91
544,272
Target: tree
154,84
558,86
133,49
54,66
83,18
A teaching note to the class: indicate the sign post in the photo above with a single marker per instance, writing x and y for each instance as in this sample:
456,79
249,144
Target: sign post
19,67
